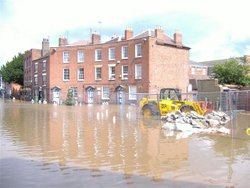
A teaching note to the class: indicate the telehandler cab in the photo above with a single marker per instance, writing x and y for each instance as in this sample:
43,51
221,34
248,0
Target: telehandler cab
169,100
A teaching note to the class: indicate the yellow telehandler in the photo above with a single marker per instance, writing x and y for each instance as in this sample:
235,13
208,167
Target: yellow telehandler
169,100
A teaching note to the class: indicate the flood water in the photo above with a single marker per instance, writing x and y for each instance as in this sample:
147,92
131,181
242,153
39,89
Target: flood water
112,146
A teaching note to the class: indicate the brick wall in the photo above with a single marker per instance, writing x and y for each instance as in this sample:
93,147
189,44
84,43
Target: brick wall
168,67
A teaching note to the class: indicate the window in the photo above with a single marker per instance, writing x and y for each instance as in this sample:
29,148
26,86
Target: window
204,71
105,92
74,92
98,55
35,80
132,92
111,72
111,53
65,74
80,56
44,65
80,74
98,73
138,50
66,57
36,68
193,70
124,72
138,71
124,52
44,79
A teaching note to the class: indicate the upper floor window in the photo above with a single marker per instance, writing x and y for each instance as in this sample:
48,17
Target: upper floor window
44,65
111,72
80,74
111,53
138,71
98,73
105,93
44,79
204,71
36,68
192,70
65,74
98,55
66,57
124,52
124,72
80,56
138,52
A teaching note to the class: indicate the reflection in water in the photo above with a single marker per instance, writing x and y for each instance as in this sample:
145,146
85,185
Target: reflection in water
116,139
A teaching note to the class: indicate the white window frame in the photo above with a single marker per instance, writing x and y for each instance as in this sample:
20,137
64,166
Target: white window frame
44,66
111,53
80,56
66,57
64,74
78,74
35,80
96,78
138,71
44,81
132,90
124,75
124,52
138,50
111,74
98,54
204,72
105,93
192,70
74,92
36,68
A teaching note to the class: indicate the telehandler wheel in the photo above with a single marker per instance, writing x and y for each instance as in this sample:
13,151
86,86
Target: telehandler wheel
186,108
148,111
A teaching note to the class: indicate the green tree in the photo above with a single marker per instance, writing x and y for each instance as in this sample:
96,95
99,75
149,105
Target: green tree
232,72
70,98
13,70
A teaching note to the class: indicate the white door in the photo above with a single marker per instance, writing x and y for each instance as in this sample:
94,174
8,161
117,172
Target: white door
56,96
90,94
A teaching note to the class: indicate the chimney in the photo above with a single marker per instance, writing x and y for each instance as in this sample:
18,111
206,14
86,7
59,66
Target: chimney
178,39
45,47
159,33
128,33
96,38
63,41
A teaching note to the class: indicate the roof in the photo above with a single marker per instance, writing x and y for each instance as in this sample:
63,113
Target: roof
219,61
80,43
198,64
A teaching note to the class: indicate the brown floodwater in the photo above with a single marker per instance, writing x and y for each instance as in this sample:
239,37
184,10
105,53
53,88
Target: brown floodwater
113,146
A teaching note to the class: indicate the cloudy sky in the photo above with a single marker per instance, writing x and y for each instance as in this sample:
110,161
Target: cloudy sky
214,29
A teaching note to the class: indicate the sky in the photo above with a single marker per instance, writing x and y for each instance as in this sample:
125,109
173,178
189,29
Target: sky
213,29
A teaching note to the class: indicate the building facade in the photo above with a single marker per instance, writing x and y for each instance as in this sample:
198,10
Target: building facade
105,71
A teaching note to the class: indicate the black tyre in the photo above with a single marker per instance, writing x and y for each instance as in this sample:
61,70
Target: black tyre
148,111
186,108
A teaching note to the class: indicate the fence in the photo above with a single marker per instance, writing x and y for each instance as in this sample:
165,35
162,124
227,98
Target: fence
229,102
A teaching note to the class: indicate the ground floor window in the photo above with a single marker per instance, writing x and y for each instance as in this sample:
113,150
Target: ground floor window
105,93
132,92
74,92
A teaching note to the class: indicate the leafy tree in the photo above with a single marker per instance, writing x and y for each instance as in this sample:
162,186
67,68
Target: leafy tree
232,72
70,98
13,70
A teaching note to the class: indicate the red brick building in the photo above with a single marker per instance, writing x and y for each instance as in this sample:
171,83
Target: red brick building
143,63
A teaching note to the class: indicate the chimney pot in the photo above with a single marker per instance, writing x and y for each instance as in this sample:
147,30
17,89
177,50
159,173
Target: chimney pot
128,33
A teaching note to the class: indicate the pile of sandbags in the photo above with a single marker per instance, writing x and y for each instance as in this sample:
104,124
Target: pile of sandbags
195,123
